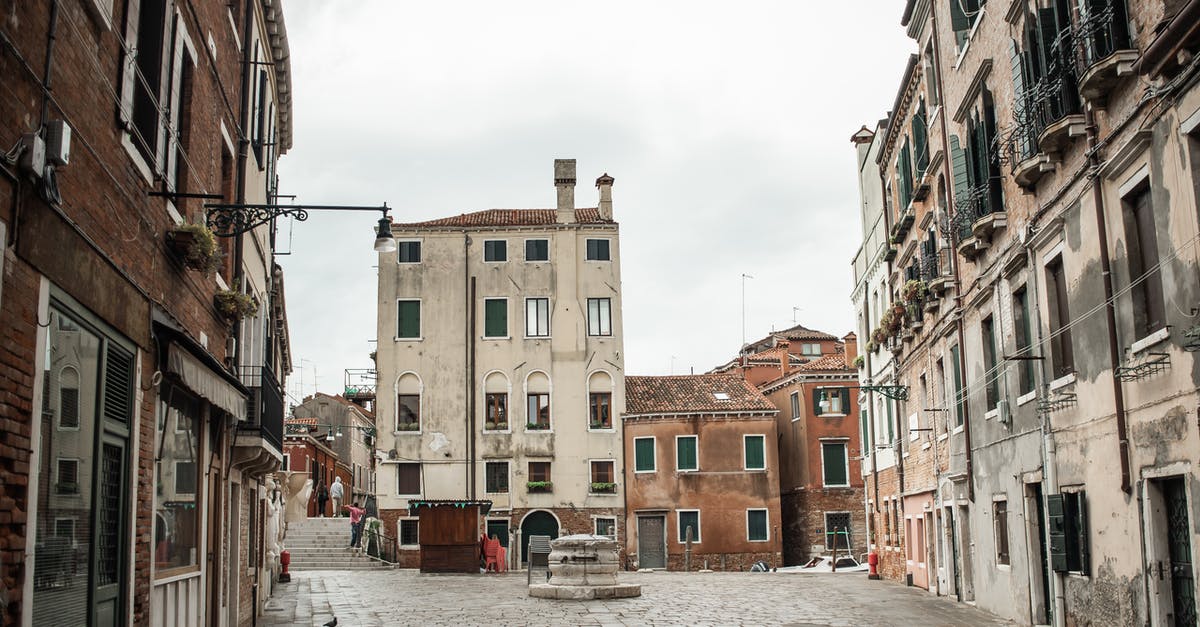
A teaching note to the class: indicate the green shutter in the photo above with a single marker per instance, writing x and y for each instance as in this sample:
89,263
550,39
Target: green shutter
643,453
904,164
408,323
864,425
1056,522
845,401
1020,102
834,459
755,456
1080,535
818,393
685,454
756,521
495,317
958,163
958,17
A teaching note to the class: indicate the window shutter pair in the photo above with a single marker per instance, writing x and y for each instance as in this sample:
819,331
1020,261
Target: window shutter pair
958,163
958,17
1066,516
495,317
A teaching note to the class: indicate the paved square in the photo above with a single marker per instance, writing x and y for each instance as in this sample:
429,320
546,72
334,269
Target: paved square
407,597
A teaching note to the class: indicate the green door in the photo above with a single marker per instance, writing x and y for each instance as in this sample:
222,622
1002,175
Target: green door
537,523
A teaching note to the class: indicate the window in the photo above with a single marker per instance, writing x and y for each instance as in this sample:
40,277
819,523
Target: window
1023,337
599,316
408,251
68,477
408,479
185,477
537,250
960,395
597,250
498,529
811,349
831,401
688,519
963,15
537,317
68,399
65,528
408,319
600,410
685,453
495,250
177,501
987,330
754,447
409,531
1062,358
756,525
408,412
496,418
834,464
1066,514
495,317
142,82
606,526
1000,518
539,477
603,478
837,530
643,455
1141,246
496,477
538,412
287,462
795,398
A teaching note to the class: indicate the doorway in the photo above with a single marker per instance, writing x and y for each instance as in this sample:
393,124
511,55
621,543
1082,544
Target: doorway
1169,553
1039,567
537,523
652,542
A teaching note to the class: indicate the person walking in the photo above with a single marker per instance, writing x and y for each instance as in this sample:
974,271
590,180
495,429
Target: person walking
356,522
336,493
322,497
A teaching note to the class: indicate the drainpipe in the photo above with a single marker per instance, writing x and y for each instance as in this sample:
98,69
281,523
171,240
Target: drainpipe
871,421
468,383
240,174
1110,311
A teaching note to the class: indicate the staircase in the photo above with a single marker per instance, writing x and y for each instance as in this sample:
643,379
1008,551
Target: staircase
321,544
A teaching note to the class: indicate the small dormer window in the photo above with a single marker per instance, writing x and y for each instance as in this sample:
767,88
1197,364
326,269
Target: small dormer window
721,396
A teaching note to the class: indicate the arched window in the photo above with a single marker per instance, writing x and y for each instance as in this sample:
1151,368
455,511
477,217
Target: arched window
495,402
600,400
68,399
537,401
408,402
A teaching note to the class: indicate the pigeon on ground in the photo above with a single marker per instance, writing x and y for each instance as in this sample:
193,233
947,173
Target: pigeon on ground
332,623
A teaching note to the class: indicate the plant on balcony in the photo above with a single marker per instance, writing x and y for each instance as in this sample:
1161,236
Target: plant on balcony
502,425
408,426
538,486
235,305
604,487
892,320
860,361
536,426
196,246
872,346
913,291
878,336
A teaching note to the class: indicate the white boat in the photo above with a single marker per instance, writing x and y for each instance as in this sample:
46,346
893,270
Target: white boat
824,564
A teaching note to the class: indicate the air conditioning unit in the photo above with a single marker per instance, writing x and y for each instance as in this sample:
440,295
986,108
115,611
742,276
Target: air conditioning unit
1002,412
58,142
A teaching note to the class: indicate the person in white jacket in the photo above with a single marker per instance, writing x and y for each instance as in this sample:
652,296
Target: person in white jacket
336,494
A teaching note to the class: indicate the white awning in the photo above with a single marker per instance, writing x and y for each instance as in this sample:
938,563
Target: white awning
203,381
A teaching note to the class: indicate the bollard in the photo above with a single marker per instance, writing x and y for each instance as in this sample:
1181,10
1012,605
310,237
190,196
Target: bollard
285,558
873,562
687,551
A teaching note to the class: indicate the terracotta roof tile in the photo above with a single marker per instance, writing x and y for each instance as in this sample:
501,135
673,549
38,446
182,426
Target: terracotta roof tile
692,394
301,421
833,362
507,217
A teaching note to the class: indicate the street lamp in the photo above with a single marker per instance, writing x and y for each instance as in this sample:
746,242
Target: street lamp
229,220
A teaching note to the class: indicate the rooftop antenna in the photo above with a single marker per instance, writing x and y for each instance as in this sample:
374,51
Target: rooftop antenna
744,277
795,310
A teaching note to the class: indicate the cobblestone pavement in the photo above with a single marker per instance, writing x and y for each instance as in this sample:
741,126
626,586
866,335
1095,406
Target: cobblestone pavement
406,597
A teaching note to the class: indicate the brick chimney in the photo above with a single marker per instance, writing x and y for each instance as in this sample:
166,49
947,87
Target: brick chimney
604,184
851,349
564,182
785,356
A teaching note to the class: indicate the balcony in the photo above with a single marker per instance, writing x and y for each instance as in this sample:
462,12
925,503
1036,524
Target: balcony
259,439
1031,170
903,224
359,385
1105,50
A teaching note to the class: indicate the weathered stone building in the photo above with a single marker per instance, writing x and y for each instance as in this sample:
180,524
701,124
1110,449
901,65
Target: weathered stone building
702,456
353,429
501,369
1052,149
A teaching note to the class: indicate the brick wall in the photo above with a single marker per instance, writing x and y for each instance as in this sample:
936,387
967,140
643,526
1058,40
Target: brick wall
804,521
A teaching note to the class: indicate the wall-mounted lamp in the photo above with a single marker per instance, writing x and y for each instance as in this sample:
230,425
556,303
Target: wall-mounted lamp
229,220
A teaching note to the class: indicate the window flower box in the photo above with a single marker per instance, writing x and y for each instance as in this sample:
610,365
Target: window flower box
539,486
535,426
235,306
603,487
196,246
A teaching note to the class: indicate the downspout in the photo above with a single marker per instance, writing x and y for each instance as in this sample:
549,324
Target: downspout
50,37
469,377
1110,311
240,175
871,420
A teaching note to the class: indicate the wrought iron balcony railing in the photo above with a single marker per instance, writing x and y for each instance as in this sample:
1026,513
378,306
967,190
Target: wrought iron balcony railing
266,402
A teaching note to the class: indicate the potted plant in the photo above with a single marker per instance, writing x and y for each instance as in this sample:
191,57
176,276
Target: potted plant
196,246
489,425
878,336
872,346
538,486
235,305
533,426
859,361
913,291
409,426
502,426
604,487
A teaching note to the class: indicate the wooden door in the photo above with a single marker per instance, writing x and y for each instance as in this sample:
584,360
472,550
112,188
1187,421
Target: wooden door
652,542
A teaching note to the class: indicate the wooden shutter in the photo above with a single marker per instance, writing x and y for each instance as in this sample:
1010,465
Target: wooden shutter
845,392
958,165
834,457
408,324
1082,546
1057,523
685,452
754,452
495,317
643,454
118,385
818,393
958,17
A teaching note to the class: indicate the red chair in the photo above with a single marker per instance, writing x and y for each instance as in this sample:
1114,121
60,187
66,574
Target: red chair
491,551
502,558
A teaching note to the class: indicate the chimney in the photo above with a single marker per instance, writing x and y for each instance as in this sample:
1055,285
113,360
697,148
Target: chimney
604,184
785,356
564,181
851,349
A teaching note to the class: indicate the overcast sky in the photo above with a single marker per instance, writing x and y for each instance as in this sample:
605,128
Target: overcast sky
726,126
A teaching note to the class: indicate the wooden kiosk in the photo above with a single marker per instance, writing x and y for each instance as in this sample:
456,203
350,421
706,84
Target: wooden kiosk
449,534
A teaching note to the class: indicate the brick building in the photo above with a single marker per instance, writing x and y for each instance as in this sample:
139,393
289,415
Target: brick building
1039,186
353,428
309,449
140,418
702,454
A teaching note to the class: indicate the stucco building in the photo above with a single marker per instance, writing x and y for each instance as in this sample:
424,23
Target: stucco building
1048,151
702,455
501,372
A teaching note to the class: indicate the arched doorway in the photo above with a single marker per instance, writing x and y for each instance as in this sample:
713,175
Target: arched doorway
537,523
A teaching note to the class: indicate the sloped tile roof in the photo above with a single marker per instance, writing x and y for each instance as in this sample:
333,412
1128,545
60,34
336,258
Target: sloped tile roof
692,394
800,332
301,421
507,217
833,362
